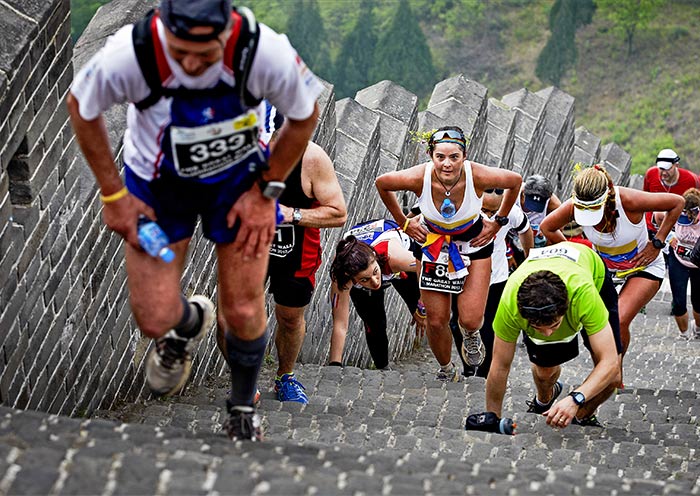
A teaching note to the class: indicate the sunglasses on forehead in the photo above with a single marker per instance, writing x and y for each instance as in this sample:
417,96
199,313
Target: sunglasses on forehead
448,133
498,191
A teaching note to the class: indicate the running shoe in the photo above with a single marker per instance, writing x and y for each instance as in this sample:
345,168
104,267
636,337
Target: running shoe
169,361
451,375
590,421
473,350
243,424
534,407
289,389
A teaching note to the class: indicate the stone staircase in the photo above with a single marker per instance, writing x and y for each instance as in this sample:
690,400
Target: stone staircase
390,432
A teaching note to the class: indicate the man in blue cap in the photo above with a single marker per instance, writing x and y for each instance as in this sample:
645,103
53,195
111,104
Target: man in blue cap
193,72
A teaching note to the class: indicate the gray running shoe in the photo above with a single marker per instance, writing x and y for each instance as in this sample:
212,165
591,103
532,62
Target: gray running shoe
534,407
473,350
243,424
169,362
451,375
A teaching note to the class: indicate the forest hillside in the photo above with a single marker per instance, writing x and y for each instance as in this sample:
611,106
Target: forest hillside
640,93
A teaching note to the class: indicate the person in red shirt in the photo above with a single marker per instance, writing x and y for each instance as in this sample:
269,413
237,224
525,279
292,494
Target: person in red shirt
668,177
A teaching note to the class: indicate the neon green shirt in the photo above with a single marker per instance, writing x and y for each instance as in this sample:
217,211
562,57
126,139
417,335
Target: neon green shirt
583,273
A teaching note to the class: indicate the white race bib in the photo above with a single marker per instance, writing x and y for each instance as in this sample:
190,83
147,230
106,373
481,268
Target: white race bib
207,150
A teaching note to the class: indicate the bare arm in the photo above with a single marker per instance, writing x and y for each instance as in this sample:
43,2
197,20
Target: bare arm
120,216
554,221
340,303
404,180
319,174
605,373
527,240
497,379
637,203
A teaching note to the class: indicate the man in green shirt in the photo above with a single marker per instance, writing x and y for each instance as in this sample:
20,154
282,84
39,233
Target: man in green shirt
559,291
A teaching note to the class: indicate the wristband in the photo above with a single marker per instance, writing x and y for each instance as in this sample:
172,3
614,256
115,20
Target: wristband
115,196
420,311
405,224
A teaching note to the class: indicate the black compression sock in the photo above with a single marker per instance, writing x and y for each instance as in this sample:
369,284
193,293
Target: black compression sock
245,359
191,320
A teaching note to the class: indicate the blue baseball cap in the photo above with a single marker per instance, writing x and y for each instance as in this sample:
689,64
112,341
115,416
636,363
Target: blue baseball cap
180,16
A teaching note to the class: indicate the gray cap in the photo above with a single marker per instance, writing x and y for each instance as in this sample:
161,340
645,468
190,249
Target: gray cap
537,190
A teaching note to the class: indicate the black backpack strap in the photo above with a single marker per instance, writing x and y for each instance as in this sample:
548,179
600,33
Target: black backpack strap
244,53
142,37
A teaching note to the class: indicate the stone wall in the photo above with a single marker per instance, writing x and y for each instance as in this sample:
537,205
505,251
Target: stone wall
68,343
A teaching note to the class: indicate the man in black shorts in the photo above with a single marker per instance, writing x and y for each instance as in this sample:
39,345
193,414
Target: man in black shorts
559,292
312,199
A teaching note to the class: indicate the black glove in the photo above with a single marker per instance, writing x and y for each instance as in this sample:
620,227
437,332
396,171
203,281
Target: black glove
489,422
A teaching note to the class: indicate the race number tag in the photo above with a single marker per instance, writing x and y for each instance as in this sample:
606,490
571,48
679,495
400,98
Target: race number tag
683,251
283,242
207,150
434,275
555,251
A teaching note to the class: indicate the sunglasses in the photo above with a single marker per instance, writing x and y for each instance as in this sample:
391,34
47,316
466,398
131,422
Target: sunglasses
498,191
448,133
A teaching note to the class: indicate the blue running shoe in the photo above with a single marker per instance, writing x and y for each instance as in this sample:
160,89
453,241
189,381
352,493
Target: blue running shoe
289,389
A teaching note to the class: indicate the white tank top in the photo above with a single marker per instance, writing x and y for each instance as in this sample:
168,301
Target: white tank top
619,247
467,213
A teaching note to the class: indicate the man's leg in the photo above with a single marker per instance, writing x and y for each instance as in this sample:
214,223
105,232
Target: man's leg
495,293
291,329
242,318
162,313
545,378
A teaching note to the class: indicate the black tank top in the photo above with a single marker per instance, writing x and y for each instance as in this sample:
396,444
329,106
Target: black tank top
295,250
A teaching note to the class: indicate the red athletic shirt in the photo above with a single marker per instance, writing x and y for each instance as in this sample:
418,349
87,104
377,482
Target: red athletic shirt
653,184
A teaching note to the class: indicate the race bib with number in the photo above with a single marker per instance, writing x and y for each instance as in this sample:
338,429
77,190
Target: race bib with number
434,275
683,251
283,242
203,151
555,251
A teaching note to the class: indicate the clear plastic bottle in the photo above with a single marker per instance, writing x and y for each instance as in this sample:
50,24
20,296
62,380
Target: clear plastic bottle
153,240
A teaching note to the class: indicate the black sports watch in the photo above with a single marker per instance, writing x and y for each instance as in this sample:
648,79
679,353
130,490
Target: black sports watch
657,243
501,220
578,397
271,189
296,216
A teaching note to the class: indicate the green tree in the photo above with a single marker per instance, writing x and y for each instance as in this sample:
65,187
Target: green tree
81,12
560,54
354,62
628,16
453,19
307,34
402,54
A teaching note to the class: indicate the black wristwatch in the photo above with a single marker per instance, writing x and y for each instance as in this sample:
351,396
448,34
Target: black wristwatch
657,243
578,397
501,220
296,216
271,189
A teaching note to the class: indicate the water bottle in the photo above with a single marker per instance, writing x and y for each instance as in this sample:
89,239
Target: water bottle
489,422
153,240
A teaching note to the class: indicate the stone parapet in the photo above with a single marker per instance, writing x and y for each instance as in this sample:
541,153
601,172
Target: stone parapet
68,343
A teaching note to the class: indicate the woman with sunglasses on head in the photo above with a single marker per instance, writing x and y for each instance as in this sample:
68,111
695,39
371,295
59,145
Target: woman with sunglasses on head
680,265
456,241
613,220
372,256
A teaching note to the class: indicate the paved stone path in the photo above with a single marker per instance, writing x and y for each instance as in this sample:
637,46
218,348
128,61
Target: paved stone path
381,432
